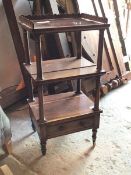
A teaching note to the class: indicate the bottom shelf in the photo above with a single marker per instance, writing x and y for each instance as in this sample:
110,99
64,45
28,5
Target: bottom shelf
66,113
63,106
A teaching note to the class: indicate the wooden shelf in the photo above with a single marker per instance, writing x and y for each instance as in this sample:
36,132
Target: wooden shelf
63,23
65,106
63,69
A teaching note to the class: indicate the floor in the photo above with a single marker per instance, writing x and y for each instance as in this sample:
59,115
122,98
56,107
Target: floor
73,154
15,166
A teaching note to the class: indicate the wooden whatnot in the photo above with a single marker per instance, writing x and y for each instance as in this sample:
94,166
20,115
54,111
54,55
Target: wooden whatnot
64,113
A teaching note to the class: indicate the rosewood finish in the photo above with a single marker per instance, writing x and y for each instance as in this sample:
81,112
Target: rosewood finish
63,69
62,23
65,113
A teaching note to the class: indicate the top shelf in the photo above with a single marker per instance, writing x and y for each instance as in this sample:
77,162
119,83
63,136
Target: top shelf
62,23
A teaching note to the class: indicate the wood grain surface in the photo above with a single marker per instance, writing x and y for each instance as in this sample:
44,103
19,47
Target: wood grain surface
61,106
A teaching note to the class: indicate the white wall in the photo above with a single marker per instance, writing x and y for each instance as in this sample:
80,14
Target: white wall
9,68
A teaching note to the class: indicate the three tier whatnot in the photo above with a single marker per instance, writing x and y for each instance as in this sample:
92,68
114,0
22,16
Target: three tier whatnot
70,112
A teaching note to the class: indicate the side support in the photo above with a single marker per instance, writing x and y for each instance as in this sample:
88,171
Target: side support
39,77
40,95
38,57
79,53
97,96
41,121
27,61
94,133
78,42
29,80
26,47
99,67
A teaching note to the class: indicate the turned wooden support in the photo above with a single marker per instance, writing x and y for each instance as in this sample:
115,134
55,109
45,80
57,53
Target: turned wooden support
43,137
99,67
26,47
41,103
29,88
78,44
39,77
97,95
79,53
27,61
100,50
38,57
43,146
41,120
78,86
94,133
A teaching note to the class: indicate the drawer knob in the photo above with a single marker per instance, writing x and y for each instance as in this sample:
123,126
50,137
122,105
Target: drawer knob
61,128
82,123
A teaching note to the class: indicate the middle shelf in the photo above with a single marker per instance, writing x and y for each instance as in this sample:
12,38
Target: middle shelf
63,69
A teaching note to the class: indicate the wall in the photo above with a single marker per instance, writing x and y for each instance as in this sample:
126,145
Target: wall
10,74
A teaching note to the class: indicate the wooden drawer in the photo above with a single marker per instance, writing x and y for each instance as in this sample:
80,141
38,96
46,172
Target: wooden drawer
73,126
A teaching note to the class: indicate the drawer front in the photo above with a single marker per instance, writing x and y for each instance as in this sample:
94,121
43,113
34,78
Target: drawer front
73,126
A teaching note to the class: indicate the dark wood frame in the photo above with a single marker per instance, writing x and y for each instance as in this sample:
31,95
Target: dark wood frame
50,128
